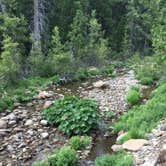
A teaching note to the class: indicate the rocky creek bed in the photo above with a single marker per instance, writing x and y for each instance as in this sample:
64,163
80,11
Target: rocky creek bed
26,137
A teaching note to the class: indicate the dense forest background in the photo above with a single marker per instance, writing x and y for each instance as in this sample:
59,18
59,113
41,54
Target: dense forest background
44,38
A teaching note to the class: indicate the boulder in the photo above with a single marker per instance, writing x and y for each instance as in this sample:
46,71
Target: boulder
3,124
117,148
100,84
134,144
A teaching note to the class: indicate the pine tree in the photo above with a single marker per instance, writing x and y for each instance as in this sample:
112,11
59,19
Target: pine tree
78,34
9,62
97,47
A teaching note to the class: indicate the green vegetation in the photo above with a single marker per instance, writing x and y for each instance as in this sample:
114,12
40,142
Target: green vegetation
140,120
119,159
73,115
78,142
133,97
108,115
65,156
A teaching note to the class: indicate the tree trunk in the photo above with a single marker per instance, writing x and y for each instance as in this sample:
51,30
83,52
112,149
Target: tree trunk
39,24
3,8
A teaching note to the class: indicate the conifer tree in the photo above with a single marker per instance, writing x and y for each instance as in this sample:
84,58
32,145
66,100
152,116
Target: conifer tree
9,61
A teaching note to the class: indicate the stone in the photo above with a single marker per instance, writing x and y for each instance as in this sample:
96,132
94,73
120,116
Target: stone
121,136
117,148
44,135
47,104
29,122
44,122
3,124
100,84
12,116
43,95
163,127
12,122
134,144
164,147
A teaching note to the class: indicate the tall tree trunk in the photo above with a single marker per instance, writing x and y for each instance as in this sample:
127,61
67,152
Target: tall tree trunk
39,23
3,8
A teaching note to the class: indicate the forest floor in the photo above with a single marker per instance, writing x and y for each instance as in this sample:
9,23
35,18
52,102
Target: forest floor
27,137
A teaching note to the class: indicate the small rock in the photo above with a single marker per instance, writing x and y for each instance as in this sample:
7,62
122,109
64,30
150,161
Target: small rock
47,104
44,135
164,147
12,122
30,132
134,144
43,95
12,116
28,122
163,127
100,84
3,124
117,148
44,122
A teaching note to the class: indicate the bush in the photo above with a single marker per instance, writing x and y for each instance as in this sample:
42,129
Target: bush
6,103
108,70
119,159
66,156
145,117
73,115
78,142
146,80
133,97
109,115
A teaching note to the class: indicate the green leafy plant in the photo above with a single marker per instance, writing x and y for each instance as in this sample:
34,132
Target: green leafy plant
41,164
119,159
73,115
133,97
6,103
109,115
78,142
66,156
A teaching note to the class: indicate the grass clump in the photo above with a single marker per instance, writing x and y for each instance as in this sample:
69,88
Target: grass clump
144,118
73,115
119,159
78,142
133,97
146,80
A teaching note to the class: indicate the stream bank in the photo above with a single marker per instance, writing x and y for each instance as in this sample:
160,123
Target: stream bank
27,137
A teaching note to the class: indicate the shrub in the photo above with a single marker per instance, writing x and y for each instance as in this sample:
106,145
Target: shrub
73,115
6,103
66,156
108,70
133,97
146,80
119,159
78,142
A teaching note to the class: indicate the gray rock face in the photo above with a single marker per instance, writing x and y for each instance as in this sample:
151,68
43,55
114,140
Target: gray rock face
117,148
163,127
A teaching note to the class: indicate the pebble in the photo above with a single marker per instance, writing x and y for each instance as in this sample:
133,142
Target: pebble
29,122
44,135
3,124
44,122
